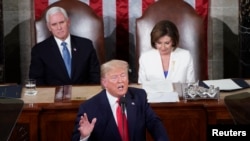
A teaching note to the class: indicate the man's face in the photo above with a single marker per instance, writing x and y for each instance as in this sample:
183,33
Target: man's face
59,25
116,82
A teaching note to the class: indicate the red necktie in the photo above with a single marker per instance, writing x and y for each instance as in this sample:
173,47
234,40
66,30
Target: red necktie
122,123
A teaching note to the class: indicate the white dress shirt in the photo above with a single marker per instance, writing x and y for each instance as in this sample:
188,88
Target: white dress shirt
67,40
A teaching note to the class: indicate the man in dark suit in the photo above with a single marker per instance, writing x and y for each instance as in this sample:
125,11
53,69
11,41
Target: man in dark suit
96,119
47,60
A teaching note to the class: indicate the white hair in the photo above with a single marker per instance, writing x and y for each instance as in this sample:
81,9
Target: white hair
54,10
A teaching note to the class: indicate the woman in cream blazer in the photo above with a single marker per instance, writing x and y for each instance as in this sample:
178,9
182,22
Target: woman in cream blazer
165,60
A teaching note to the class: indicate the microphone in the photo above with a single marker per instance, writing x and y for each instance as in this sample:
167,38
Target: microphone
122,102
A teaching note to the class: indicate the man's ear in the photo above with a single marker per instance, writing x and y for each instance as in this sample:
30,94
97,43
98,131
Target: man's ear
103,82
48,26
69,23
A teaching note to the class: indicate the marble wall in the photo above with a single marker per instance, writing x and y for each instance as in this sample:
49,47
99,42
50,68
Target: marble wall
18,18
18,38
223,50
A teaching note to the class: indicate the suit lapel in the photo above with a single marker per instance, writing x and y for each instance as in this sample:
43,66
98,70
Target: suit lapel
131,113
111,126
173,64
74,53
158,67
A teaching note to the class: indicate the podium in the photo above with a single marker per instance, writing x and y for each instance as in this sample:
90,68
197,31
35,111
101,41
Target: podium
10,109
239,107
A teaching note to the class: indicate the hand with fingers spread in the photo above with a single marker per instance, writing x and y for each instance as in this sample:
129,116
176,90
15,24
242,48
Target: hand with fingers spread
136,114
86,127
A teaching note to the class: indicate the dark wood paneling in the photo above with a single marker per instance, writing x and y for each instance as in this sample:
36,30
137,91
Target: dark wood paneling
183,121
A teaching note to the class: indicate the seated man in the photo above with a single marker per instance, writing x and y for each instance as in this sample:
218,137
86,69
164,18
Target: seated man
63,59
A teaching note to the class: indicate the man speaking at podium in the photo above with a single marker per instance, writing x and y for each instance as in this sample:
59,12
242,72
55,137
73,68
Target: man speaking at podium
119,112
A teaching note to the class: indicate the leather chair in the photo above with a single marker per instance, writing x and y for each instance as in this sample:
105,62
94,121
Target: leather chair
84,23
190,26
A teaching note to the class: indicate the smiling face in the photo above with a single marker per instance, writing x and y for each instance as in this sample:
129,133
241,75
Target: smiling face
58,25
116,81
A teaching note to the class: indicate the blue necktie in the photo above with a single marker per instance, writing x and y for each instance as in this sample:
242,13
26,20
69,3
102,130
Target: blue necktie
66,57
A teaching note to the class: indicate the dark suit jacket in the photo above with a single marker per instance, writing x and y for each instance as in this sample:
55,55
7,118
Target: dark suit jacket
48,68
139,114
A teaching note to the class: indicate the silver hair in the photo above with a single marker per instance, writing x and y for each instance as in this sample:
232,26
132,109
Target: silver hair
54,10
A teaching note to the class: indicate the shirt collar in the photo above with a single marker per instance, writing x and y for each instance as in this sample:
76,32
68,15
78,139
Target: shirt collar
59,41
112,100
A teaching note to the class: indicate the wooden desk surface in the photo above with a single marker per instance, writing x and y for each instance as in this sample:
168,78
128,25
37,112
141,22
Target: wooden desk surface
43,117
80,93
47,94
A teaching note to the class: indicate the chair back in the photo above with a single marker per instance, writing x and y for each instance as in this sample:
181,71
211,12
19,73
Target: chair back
84,23
190,26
